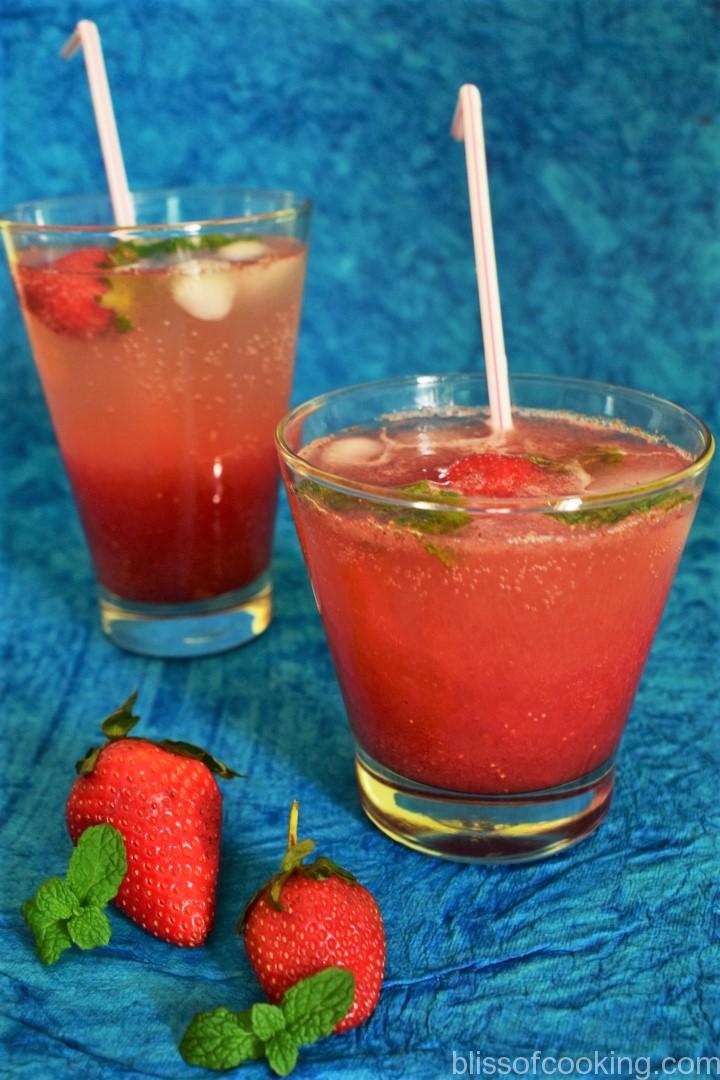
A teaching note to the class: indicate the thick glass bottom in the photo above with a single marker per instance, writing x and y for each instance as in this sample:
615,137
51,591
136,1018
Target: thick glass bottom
483,828
182,631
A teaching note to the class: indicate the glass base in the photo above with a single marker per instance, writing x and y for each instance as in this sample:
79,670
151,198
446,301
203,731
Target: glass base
483,828
181,631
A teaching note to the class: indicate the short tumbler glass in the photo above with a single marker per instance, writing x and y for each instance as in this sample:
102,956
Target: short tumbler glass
166,353
488,649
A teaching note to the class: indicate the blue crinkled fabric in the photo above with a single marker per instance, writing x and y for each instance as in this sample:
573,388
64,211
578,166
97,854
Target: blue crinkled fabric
603,134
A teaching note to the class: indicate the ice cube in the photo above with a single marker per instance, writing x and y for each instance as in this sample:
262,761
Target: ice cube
244,250
354,450
268,278
205,288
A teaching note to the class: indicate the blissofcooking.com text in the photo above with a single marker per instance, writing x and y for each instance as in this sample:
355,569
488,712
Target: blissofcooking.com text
595,1064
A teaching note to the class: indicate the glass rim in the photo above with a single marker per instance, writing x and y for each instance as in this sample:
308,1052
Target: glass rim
484,504
299,205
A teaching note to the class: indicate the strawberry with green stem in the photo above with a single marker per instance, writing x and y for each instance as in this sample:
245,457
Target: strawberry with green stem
310,917
163,799
316,942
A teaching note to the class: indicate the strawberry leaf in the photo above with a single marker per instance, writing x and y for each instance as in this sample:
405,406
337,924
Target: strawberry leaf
313,1006
266,1020
282,1053
51,935
97,865
295,854
89,928
220,1039
189,750
122,720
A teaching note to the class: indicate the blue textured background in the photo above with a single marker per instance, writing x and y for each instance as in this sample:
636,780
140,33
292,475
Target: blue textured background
603,133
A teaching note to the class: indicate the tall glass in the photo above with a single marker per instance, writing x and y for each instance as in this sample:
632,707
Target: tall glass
166,354
489,645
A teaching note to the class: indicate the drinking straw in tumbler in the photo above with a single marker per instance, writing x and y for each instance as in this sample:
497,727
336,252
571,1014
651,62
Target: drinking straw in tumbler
86,37
467,125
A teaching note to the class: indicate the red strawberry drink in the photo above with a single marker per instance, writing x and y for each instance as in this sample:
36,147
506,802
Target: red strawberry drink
490,599
166,357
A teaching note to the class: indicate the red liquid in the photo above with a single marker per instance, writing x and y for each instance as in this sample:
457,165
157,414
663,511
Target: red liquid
502,657
167,429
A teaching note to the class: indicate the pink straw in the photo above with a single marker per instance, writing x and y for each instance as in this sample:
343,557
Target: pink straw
467,124
86,36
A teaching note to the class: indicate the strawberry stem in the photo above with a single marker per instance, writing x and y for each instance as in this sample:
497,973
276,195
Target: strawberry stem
293,824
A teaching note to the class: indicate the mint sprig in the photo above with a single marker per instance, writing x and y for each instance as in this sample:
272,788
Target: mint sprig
127,252
70,911
309,1011
594,517
431,522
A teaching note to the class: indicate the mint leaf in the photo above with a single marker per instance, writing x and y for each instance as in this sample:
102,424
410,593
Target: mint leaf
266,1020
309,1010
55,900
315,1005
601,455
423,489
128,252
433,522
97,865
594,517
51,935
430,522
282,1053
89,928
70,911
220,1039
326,498
446,557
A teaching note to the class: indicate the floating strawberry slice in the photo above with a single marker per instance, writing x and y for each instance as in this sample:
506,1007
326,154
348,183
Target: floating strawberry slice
503,476
66,295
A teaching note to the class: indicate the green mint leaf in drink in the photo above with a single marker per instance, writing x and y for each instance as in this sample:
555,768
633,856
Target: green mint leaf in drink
326,498
447,558
601,455
63,913
282,1053
97,865
313,1006
430,522
51,934
594,517
128,252
90,928
220,1039
266,1020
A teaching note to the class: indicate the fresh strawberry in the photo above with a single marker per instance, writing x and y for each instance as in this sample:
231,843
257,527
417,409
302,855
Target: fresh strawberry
312,917
165,802
69,295
503,476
